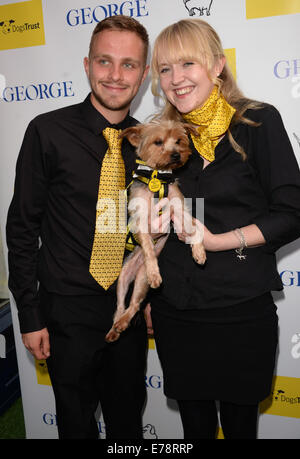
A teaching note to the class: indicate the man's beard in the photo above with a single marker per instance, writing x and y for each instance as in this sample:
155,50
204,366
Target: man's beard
111,106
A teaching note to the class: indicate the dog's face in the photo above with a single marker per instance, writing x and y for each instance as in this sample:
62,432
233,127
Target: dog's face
162,145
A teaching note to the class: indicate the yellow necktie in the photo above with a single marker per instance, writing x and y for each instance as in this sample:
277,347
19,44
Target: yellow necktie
110,232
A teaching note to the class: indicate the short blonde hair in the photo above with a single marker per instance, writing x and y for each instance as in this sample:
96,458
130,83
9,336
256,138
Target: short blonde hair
196,40
188,39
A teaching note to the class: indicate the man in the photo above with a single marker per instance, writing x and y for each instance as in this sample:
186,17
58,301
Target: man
52,240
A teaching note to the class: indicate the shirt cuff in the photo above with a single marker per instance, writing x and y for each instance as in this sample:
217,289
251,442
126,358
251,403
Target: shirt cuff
31,320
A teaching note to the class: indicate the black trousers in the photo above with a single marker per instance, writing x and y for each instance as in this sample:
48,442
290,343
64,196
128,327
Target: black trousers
200,419
84,369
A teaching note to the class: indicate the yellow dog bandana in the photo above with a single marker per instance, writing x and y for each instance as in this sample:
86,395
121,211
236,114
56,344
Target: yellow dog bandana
212,120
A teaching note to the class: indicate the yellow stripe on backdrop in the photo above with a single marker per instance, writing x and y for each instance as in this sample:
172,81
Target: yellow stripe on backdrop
21,25
42,374
265,8
231,59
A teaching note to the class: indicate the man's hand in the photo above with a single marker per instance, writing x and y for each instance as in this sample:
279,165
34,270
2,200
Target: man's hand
37,343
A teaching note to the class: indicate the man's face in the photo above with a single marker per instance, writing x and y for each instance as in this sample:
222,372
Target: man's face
115,69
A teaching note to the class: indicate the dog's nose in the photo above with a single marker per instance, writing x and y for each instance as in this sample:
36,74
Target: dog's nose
175,156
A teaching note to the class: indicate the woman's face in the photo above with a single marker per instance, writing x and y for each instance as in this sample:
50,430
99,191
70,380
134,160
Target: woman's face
186,83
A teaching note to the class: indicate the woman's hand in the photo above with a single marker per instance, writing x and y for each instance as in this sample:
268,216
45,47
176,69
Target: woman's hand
185,236
227,241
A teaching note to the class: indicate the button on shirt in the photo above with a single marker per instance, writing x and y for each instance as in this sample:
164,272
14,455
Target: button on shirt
55,197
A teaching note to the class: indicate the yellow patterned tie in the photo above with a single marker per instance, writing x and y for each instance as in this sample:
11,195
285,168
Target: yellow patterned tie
110,232
213,119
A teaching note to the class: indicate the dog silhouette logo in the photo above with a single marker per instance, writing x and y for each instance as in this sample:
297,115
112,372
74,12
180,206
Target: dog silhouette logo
199,7
6,26
149,432
279,391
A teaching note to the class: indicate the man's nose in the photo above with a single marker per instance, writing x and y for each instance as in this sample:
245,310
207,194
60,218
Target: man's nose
116,72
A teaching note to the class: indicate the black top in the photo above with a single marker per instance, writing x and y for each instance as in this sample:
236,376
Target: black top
55,196
264,189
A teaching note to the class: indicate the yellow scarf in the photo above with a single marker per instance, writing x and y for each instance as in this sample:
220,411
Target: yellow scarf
213,120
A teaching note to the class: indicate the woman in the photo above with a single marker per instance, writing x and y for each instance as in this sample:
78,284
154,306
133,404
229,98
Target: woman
216,326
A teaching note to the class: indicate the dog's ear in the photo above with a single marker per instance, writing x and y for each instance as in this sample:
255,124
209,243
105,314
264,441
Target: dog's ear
133,134
190,129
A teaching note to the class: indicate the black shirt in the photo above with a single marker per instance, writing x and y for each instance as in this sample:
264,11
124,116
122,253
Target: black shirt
55,196
264,189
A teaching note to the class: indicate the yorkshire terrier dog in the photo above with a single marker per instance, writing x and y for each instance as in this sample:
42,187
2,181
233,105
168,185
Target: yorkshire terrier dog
161,147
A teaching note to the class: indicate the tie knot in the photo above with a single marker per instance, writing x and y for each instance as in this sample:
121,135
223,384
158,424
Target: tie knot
112,138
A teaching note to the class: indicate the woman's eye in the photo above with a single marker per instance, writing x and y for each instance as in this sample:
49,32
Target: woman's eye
187,64
164,70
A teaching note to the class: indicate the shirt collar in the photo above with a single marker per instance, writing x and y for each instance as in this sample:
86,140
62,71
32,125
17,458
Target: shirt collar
96,121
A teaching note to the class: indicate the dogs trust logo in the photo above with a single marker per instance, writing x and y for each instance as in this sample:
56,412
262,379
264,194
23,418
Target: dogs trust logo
284,399
21,25
198,7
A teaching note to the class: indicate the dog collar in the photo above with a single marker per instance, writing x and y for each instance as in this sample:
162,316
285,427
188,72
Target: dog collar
157,180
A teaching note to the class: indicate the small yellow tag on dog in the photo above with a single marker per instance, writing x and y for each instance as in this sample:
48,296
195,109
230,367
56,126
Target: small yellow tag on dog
154,185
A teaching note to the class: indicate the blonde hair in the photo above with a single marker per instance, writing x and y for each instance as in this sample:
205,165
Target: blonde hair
196,40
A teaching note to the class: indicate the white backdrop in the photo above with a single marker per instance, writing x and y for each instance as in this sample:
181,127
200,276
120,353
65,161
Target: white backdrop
42,45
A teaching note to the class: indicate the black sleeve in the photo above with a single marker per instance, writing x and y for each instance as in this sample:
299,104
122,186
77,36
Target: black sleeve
279,176
23,229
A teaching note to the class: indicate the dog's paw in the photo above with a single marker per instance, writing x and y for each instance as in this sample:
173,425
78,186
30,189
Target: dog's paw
121,324
117,328
154,279
199,254
112,336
